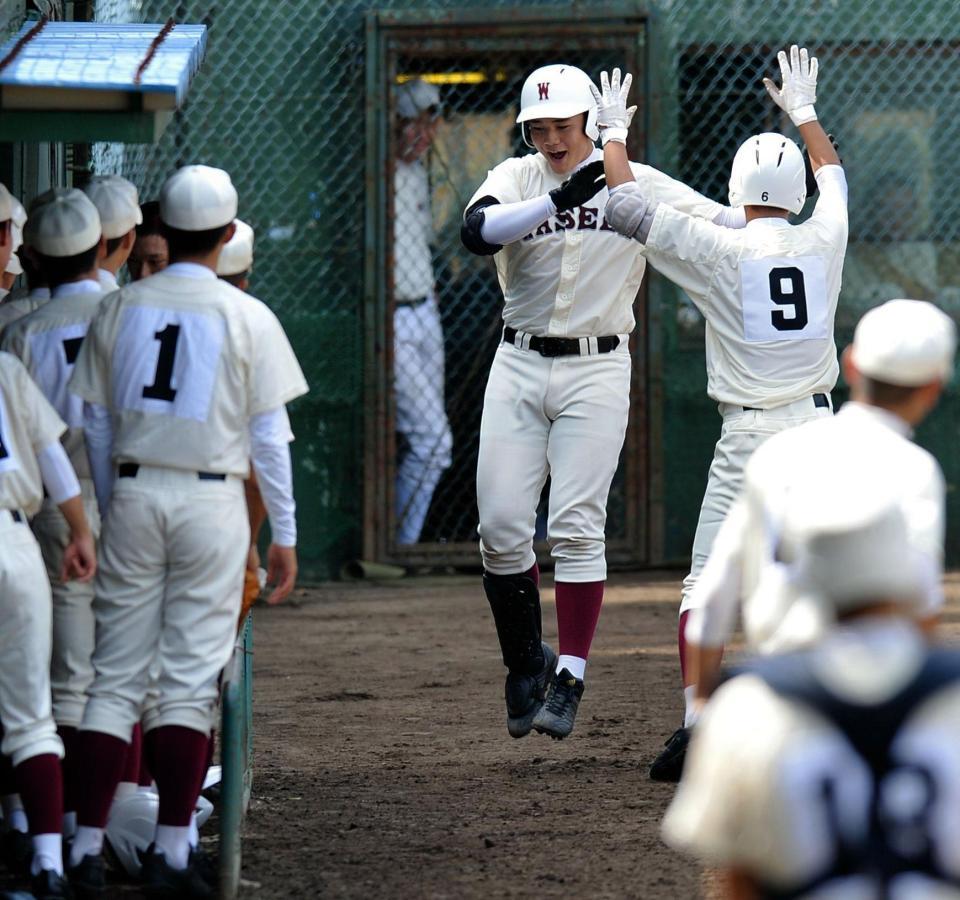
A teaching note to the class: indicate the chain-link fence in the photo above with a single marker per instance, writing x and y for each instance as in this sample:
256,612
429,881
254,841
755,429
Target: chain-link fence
284,101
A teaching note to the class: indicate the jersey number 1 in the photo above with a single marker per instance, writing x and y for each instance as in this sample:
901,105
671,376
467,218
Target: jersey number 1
796,297
161,389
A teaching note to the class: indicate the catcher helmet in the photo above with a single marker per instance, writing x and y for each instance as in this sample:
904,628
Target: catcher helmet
557,92
768,170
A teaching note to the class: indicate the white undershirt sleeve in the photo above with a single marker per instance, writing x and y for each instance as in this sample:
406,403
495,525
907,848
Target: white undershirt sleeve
98,435
270,437
57,473
731,217
504,223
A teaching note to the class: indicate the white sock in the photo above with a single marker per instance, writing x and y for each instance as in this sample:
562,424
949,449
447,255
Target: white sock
124,789
88,842
146,789
69,824
689,713
14,817
173,841
573,664
194,832
47,853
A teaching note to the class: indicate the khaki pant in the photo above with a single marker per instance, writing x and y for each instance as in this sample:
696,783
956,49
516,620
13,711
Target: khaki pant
71,669
25,611
172,557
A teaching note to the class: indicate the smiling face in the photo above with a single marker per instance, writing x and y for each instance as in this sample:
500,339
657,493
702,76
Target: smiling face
562,141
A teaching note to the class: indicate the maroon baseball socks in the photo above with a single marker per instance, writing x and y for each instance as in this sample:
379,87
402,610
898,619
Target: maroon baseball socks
578,609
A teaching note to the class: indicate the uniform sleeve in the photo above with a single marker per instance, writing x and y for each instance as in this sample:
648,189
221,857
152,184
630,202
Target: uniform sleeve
687,250
13,340
91,373
275,375
505,183
661,188
43,423
830,212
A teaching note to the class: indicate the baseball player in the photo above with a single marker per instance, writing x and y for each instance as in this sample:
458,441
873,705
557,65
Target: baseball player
18,303
117,202
150,252
63,239
558,394
32,460
851,790
13,268
185,380
418,363
902,356
769,294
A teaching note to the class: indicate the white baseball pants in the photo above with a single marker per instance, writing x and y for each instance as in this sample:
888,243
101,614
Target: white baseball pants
25,609
563,416
168,590
71,666
742,432
421,415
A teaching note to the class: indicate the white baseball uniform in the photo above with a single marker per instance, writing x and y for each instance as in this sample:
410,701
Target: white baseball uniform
28,425
48,341
418,361
573,276
16,307
183,362
777,784
769,294
862,443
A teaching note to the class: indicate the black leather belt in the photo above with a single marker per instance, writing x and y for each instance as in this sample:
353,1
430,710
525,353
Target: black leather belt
129,470
16,515
558,346
415,302
820,401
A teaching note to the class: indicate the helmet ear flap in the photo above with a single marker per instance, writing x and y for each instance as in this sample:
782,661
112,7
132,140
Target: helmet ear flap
525,133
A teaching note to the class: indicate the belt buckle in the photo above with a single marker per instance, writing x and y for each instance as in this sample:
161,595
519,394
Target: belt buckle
551,347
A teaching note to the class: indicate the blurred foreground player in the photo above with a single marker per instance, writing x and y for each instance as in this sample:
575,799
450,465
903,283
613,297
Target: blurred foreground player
185,380
834,771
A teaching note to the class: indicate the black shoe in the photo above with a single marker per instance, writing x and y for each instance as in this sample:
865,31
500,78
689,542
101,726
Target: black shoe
207,865
162,880
17,850
50,885
87,877
668,766
557,715
524,695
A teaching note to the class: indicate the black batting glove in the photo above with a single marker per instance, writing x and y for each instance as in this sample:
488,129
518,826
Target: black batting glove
811,180
579,187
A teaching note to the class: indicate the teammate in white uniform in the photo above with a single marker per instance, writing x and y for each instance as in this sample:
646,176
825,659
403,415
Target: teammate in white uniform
63,239
13,268
834,772
901,357
558,394
418,361
150,252
15,304
185,380
118,203
32,460
769,294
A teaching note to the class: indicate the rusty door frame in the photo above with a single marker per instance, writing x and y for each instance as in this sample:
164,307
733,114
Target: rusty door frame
383,28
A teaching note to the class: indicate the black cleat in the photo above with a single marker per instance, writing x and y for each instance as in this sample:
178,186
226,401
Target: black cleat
207,865
524,695
17,850
557,715
159,879
50,885
668,766
87,877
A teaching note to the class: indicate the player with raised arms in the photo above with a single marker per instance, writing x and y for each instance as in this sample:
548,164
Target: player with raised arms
558,394
769,294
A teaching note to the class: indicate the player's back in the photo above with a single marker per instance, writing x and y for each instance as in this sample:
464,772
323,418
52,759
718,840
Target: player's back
846,785
183,363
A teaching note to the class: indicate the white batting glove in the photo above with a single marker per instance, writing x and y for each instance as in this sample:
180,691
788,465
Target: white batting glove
799,91
613,115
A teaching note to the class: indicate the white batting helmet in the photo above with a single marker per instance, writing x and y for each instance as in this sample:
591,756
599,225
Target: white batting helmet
768,170
557,92
131,828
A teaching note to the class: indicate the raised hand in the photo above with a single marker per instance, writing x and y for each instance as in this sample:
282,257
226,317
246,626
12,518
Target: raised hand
581,186
798,92
613,114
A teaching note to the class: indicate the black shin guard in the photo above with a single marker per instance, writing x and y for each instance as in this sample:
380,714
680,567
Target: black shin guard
515,602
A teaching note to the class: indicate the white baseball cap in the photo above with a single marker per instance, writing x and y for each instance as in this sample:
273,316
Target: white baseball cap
905,342
237,254
198,198
62,222
415,96
6,204
18,220
117,202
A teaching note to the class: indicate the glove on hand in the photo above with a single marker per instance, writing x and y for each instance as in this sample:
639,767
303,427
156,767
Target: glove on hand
613,116
799,91
579,187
